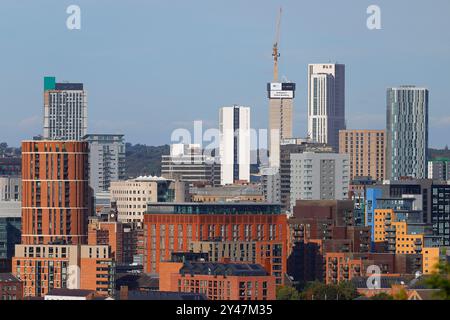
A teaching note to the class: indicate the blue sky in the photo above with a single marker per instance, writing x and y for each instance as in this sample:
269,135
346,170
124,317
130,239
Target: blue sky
153,66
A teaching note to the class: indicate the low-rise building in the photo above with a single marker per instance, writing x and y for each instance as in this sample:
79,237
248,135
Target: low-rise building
227,193
11,288
69,294
46,267
132,196
218,281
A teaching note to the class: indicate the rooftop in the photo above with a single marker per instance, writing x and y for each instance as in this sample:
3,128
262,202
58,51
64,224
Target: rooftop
160,295
213,208
70,292
224,269
8,277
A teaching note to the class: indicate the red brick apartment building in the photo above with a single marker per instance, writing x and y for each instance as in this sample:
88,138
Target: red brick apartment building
55,191
218,281
172,227
11,288
345,266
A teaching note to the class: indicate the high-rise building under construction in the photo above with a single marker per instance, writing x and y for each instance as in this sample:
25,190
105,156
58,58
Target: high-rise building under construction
281,105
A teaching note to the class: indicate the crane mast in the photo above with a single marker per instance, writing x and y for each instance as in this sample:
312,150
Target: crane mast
275,52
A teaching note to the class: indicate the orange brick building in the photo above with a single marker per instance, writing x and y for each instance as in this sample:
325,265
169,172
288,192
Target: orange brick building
171,228
42,268
218,281
107,233
55,192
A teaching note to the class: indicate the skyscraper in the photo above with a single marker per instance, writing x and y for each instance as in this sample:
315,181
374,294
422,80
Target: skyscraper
326,103
106,160
406,132
234,123
55,199
281,104
65,110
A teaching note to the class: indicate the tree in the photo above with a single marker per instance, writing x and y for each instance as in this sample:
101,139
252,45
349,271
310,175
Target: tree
321,291
440,279
382,296
347,291
401,295
287,293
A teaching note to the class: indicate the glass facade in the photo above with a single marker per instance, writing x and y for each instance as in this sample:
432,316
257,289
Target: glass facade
206,208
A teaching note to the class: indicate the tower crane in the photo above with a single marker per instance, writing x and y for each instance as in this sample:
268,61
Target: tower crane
275,53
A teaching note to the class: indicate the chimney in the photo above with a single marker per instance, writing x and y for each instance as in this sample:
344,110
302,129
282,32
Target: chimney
123,293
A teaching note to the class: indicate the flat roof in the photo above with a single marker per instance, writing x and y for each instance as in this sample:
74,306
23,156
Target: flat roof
225,269
70,292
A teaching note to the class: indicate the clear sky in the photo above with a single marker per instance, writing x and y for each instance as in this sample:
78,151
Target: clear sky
153,66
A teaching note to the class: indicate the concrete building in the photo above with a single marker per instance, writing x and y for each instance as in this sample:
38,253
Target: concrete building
288,147
65,110
366,150
187,162
406,132
11,209
56,195
271,184
319,176
429,197
326,103
172,228
106,160
281,104
10,188
234,149
42,268
132,196
227,193
439,169
440,212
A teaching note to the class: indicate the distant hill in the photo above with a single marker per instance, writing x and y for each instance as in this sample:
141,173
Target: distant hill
144,160
7,151
439,153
